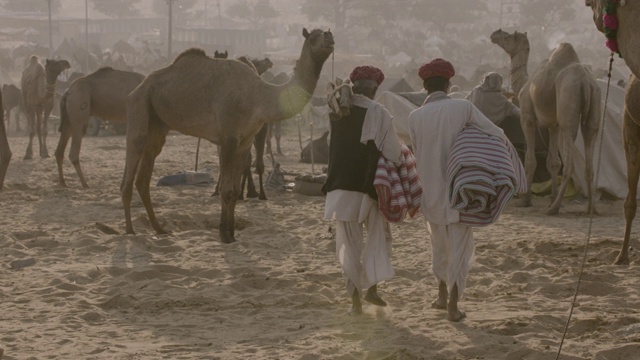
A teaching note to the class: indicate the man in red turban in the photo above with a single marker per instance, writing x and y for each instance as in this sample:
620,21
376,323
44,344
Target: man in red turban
367,72
434,128
357,140
436,68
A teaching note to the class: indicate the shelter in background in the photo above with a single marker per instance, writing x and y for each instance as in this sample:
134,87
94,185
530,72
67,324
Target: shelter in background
395,85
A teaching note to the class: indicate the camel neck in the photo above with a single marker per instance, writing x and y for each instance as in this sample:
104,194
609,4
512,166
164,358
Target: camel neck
518,74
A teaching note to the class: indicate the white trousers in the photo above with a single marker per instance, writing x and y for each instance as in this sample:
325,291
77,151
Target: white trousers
452,249
364,264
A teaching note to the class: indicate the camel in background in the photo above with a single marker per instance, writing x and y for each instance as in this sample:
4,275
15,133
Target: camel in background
561,96
38,88
5,151
102,94
222,101
517,46
12,99
628,39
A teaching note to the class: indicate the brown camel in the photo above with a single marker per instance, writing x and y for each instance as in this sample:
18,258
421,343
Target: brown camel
223,101
12,99
517,46
628,39
5,151
102,94
38,88
561,96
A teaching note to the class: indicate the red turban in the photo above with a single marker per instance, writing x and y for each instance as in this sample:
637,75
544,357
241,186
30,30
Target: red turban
437,67
367,72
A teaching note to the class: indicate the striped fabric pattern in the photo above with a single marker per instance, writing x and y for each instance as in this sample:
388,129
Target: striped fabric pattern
399,190
483,174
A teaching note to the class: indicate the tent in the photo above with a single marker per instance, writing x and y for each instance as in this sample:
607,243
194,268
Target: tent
394,85
612,175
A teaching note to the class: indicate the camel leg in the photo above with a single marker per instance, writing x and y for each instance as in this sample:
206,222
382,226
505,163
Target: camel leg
216,192
528,124
631,132
137,139
31,129
278,134
554,164
44,153
74,155
155,142
65,134
232,154
5,151
259,143
39,130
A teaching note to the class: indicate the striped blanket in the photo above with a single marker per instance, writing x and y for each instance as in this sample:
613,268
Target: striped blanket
483,174
399,190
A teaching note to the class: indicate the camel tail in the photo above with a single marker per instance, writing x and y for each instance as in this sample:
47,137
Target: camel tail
64,115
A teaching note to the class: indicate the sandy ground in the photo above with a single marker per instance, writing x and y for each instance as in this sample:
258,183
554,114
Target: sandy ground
72,286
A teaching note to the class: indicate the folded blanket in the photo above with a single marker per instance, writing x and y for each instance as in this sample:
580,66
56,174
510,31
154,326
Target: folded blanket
399,190
483,174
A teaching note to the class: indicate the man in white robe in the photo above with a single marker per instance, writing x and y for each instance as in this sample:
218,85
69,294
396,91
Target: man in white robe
433,129
357,140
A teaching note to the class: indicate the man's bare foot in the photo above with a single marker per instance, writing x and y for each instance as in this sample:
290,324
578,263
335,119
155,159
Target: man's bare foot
373,297
355,310
456,316
439,304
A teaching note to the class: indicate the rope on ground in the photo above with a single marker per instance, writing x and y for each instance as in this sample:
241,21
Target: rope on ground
595,184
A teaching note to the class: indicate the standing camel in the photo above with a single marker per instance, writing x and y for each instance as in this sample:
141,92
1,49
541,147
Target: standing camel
38,88
561,96
517,46
102,94
628,41
223,101
5,151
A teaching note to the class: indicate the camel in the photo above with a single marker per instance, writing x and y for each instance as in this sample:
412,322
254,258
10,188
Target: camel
5,151
222,101
12,98
260,67
561,96
103,94
628,40
38,88
517,46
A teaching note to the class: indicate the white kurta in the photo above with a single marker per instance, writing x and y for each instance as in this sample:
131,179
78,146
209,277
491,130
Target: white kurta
364,264
433,129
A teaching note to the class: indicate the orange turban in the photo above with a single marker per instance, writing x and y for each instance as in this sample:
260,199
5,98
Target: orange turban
367,72
437,67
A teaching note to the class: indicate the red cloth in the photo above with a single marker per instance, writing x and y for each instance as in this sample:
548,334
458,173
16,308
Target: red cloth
437,67
398,189
367,72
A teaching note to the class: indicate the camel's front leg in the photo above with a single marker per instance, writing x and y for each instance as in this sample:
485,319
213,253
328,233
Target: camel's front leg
44,153
31,129
5,153
554,164
233,156
529,126
631,132
568,138
259,143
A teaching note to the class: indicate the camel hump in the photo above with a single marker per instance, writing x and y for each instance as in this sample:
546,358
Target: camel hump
192,52
104,69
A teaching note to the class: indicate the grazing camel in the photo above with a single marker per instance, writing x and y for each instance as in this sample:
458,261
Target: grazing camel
102,94
5,151
561,96
222,101
12,99
517,46
38,88
628,41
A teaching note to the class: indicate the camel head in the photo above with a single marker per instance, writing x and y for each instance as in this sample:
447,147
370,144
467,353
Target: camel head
53,68
221,55
597,6
511,43
262,65
319,44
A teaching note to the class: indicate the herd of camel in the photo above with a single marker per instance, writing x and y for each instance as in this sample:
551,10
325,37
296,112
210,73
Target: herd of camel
199,95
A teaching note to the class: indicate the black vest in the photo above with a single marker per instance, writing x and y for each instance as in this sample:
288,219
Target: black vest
352,165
